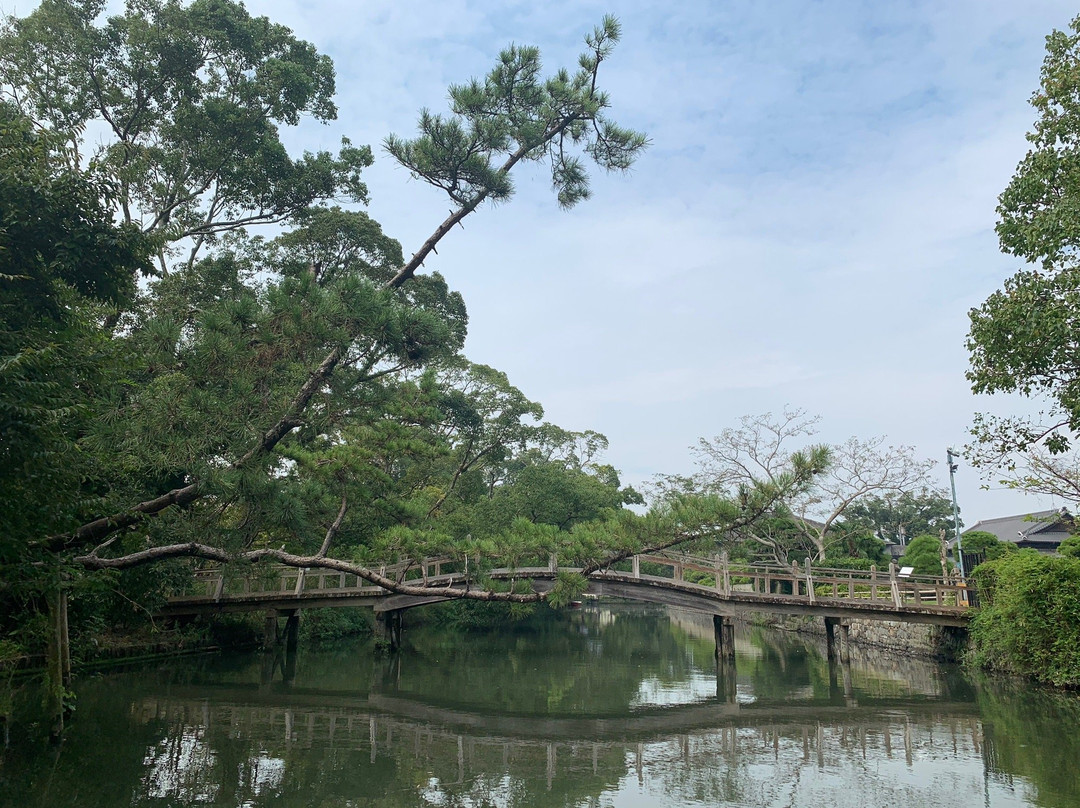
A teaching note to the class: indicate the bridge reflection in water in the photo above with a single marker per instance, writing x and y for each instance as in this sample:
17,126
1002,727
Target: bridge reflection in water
455,751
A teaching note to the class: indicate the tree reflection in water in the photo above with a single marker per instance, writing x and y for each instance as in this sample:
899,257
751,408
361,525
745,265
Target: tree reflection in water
597,708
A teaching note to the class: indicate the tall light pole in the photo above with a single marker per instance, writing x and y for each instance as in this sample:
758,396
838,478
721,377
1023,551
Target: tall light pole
955,510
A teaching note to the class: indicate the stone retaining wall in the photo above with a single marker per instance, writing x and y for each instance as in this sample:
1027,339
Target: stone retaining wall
916,639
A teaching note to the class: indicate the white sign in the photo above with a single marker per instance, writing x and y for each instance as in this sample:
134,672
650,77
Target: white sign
905,572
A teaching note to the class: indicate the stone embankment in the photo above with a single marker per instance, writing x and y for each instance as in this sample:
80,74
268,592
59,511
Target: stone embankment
912,639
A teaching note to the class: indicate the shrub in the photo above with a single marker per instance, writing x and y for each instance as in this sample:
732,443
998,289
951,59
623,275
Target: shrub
1029,618
924,554
326,625
849,563
980,541
1070,548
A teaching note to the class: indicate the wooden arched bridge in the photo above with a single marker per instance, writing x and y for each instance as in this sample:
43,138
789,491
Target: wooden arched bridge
713,586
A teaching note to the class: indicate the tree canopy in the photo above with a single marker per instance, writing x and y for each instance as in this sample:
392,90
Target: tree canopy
819,519
1023,338
300,396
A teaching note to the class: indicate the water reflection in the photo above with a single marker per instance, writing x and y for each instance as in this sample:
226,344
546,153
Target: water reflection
612,706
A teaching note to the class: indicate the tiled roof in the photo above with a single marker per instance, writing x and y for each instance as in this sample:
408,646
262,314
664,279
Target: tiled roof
1043,526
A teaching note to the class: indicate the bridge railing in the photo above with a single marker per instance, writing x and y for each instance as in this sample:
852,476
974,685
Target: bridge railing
805,582
809,582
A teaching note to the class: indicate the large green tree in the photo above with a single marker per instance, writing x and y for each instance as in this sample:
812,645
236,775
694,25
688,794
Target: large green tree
1024,338
188,99
64,265
895,517
304,399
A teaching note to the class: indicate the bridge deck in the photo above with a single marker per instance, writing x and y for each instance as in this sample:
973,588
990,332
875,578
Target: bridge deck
709,585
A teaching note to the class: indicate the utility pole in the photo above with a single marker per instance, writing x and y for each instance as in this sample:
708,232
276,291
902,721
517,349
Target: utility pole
955,510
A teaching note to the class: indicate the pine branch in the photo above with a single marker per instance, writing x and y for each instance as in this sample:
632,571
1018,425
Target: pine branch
209,553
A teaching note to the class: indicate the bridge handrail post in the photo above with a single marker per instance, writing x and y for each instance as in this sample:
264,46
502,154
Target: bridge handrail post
727,572
894,585
873,582
553,563
809,581
219,585
635,565
300,581
795,578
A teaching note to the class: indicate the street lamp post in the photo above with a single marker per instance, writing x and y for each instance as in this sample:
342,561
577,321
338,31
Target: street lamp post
955,510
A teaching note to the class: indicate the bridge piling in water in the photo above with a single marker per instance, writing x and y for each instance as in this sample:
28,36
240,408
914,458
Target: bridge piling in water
270,631
831,638
724,634
388,628
292,637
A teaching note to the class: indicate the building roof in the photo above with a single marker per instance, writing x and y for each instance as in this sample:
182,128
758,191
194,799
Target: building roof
1028,529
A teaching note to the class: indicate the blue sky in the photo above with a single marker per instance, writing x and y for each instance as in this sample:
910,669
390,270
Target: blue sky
809,228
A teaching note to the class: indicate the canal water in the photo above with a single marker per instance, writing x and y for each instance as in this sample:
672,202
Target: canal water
609,705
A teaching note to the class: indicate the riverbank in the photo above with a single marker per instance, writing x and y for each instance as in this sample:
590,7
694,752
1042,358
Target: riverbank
937,643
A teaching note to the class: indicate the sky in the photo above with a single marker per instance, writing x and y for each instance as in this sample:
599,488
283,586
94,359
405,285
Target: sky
808,229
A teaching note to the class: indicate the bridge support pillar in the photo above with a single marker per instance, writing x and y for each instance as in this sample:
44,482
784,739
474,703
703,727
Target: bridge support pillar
724,634
388,628
845,643
292,636
292,631
831,639
837,640
270,631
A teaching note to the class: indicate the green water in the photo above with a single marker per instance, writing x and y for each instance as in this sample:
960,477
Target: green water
605,706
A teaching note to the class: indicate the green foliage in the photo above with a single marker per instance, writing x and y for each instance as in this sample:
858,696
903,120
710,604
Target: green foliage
64,266
979,541
210,379
897,515
1022,339
852,563
191,96
568,587
1070,548
1038,210
924,554
514,115
1028,621
473,615
855,543
327,625
810,520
